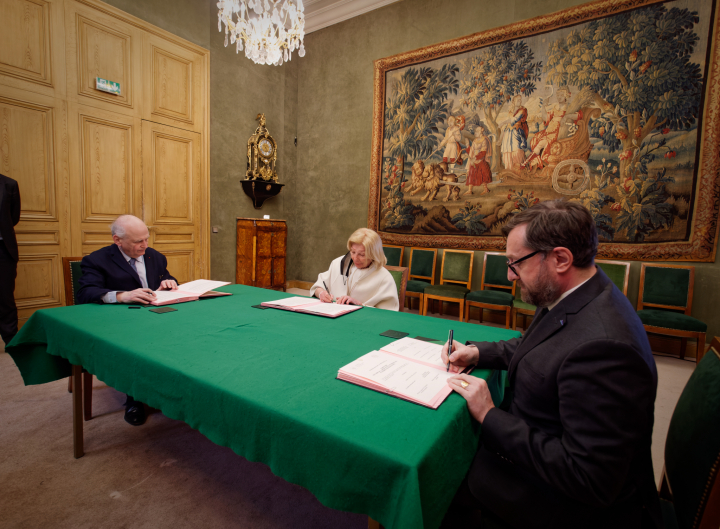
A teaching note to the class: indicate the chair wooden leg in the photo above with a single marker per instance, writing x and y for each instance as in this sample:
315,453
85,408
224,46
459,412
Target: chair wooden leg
507,317
480,316
462,311
424,307
700,347
514,319
441,306
683,347
87,396
467,311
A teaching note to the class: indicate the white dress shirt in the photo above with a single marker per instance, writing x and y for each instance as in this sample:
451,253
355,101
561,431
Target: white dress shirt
111,297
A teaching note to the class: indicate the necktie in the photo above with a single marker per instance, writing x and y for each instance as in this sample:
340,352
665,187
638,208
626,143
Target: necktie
132,263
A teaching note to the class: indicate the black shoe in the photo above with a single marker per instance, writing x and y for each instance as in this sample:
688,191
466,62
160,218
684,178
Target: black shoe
135,413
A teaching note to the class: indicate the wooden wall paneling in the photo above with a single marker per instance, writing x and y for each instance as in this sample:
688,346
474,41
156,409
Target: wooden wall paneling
102,46
32,46
106,173
174,84
33,152
174,197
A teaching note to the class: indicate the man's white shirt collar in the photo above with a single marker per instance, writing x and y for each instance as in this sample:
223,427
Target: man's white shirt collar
140,259
566,294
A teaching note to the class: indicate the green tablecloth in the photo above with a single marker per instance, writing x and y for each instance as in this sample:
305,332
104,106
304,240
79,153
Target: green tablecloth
262,382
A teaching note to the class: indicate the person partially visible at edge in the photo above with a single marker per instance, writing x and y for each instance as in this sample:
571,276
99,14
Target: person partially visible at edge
127,271
9,217
358,277
573,448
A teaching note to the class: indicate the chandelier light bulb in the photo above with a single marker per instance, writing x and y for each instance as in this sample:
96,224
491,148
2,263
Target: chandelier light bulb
270,30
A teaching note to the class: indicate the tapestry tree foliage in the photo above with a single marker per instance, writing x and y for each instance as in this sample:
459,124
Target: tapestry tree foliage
417,103
638,65
493,77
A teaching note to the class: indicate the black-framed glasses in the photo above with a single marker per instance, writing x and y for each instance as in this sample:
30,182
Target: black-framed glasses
511,265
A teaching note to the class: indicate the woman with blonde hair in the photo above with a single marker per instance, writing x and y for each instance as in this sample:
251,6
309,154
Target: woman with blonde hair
358,277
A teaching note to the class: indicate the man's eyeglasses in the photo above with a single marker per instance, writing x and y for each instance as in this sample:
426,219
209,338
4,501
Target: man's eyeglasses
511,265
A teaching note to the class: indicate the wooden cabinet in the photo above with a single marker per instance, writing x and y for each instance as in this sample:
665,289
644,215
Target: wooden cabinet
261,252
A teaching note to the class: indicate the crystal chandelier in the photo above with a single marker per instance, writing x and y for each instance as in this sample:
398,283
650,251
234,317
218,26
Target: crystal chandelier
270,30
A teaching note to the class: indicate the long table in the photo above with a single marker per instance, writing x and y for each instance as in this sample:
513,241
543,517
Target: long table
262,382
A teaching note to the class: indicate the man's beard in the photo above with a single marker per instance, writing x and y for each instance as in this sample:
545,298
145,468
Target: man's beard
544,291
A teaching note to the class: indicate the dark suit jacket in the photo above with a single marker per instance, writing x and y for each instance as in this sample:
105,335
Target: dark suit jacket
9,213
106,270
575,442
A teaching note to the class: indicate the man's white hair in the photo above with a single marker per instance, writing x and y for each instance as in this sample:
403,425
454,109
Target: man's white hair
119,226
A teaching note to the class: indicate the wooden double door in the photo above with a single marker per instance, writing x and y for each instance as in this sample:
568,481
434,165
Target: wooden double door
82,156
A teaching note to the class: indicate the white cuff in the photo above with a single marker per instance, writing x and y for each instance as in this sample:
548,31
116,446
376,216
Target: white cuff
110,297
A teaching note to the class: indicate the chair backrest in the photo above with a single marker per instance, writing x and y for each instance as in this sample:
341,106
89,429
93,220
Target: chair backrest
394,254
618,272
72,274
400,275
457,267
494,273
692,449
422,263
666,287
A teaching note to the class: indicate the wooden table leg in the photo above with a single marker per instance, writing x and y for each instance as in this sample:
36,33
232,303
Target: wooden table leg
77,412
372,524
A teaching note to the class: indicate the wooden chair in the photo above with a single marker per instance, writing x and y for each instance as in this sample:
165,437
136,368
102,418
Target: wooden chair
667,289
455,279
690,486
422,273
618,272
71,274
496,291
394,254
400,275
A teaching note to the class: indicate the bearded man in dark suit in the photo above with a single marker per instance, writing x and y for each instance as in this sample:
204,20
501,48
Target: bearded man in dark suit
573,449
9,217
127,271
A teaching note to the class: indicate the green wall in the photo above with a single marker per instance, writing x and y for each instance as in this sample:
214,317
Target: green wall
325,99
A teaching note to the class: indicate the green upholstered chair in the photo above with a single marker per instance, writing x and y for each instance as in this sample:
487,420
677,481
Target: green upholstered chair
72,274
422,273
665,290
496,291
521,308
455,279
394,254
400,275
617,271
690,486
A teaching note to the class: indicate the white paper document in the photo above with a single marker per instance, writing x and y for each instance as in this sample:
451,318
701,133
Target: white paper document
292,302
163,296
401,377
418,350
200,286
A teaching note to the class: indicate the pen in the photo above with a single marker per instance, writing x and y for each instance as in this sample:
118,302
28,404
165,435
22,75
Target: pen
328,291
450,348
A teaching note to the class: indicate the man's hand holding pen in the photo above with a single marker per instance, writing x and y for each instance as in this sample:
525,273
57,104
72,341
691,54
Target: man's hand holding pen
462,356
474,390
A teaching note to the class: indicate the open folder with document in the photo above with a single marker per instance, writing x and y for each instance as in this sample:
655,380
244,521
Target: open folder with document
409,369
311,306
200,288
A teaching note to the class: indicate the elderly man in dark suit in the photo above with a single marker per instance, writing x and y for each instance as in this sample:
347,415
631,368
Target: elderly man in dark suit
127,271
9,217
573,449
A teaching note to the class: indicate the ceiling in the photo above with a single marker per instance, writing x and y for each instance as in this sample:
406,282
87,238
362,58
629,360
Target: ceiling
323,13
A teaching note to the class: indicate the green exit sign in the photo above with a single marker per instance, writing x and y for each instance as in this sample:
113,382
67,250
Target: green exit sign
107,86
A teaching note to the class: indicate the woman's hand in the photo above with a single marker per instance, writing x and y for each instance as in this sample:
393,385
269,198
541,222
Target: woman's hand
323,295
347,300
462,356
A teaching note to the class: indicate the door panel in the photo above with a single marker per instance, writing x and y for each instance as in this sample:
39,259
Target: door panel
106,176
173,198
174,90
105,47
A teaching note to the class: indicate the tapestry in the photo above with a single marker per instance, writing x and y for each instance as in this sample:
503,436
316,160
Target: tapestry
615,105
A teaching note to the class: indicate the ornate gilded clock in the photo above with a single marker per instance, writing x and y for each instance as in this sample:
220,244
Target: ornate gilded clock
262,154
261,180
